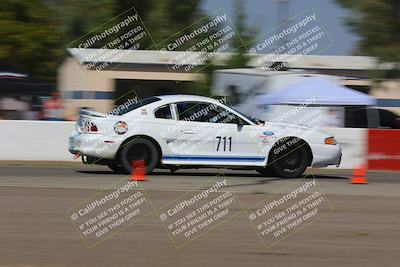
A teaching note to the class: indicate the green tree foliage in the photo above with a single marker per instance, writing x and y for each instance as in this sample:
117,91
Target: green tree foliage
35,33
30,37
169,17
240,58
377,22
79,17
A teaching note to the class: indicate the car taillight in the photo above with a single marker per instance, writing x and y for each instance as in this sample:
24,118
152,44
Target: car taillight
93,127
90,127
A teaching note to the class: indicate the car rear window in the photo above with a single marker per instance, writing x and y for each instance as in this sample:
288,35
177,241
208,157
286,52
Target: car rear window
138,104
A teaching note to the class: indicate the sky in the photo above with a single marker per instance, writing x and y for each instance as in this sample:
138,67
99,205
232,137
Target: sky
262,15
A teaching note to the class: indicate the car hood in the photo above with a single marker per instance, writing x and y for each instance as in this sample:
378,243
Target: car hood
283,129
287,124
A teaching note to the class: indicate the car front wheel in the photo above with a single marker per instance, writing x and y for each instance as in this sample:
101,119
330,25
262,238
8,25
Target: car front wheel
291,161
266,171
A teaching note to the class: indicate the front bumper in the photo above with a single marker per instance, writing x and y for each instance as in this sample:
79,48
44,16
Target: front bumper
94,145
325,155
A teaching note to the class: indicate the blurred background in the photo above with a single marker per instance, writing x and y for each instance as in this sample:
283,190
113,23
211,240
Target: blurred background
44,73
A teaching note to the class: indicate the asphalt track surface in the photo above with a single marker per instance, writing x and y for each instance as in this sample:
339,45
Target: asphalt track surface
363,228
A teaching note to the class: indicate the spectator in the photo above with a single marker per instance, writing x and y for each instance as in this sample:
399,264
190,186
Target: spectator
52,108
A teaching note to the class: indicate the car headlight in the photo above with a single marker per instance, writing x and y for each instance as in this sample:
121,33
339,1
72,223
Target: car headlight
330,141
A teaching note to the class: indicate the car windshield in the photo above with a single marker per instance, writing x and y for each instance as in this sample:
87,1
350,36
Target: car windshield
123,109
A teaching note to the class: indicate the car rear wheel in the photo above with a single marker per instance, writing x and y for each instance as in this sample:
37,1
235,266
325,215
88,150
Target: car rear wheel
290,161
117,168
139,149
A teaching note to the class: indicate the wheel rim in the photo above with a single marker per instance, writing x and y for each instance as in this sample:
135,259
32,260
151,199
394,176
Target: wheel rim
291,162
140,152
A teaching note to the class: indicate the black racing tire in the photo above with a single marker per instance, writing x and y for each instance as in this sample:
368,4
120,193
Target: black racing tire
289,160
139,149
115,167
266,171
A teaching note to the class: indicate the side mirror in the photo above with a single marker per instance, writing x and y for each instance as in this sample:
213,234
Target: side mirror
240,124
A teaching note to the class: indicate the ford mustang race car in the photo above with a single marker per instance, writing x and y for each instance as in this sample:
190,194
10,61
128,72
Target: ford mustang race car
186,131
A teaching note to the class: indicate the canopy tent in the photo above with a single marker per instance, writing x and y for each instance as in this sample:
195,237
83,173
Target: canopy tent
317,91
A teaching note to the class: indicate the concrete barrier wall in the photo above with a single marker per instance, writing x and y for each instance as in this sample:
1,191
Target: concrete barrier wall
384,149
48,141
35,140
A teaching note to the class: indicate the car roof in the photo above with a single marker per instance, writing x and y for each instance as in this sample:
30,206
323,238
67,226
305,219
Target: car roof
176,98
168,99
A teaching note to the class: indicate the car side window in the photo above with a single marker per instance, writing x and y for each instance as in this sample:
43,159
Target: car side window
222,115
205,112
194,111
163,112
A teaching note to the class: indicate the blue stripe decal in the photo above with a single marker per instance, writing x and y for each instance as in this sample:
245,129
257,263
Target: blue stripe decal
205,158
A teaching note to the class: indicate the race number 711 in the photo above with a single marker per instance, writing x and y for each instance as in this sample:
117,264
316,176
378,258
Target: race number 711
226,143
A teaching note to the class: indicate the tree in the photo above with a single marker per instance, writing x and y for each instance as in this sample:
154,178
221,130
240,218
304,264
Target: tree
79,17
169,17
36,33
377,22
240,58
30,37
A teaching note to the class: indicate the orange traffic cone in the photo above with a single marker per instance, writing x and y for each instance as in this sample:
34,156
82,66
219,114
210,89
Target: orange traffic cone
359,176
138,170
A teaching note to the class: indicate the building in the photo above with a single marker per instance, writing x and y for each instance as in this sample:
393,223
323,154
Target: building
101,83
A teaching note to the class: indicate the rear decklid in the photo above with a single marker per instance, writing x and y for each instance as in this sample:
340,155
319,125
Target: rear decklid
88,120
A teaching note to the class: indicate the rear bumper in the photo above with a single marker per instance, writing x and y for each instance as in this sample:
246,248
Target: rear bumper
94,145
325,155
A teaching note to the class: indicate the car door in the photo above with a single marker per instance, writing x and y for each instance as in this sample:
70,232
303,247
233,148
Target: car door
192,131
234,139
207,133
163,127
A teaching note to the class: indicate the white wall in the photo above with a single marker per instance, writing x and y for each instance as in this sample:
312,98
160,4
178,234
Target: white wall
35,140
48,141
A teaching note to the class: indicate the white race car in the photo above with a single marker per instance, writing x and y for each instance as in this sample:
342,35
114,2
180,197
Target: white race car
186,131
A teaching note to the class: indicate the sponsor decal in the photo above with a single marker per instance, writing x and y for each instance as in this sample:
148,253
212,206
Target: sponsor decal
120,127
268,133
266,137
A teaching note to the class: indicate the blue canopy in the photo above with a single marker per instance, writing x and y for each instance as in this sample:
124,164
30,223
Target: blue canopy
317,91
